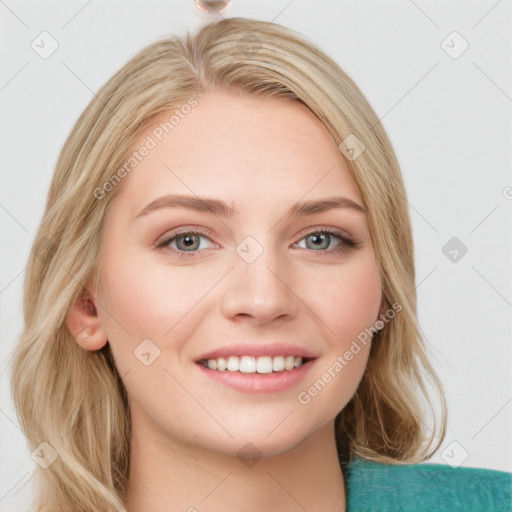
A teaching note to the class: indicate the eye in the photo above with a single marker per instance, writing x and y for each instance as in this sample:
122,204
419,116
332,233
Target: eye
185,243
320,241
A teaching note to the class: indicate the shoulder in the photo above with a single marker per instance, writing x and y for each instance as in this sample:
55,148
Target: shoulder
373,486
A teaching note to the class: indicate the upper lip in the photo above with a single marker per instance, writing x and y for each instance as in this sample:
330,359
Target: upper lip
257,350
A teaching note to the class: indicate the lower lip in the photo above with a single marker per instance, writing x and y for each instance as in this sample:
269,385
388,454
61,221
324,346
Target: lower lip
260,382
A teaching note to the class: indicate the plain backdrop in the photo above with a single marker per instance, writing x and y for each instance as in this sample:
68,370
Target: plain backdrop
437,73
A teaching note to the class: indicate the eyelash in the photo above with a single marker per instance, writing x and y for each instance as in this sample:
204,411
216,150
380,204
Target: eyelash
345,244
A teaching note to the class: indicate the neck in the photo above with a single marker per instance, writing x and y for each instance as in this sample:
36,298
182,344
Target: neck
164,472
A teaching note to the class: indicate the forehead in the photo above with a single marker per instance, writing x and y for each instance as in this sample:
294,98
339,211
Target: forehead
244,148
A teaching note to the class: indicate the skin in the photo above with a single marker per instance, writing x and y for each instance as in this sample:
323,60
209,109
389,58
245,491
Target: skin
260,155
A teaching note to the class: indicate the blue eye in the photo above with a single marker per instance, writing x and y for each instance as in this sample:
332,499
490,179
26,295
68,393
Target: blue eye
187,244
186,240
319,238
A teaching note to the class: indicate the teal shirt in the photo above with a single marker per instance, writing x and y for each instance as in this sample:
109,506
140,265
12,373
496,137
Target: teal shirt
377,487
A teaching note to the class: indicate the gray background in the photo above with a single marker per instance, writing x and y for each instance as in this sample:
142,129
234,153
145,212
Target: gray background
447,112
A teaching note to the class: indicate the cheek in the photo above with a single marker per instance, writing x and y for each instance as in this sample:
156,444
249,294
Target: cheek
349,300
348,305
141,301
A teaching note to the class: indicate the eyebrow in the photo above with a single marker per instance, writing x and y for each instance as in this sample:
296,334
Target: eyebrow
222,209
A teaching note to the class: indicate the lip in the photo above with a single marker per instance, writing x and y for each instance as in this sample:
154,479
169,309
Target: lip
257,350
259,382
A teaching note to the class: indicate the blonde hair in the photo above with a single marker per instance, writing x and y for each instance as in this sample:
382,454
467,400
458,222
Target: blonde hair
74,399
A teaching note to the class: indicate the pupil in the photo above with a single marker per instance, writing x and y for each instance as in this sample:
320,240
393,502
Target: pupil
318,239
188,241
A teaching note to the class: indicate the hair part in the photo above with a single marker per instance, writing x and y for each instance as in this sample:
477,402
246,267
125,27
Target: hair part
74,399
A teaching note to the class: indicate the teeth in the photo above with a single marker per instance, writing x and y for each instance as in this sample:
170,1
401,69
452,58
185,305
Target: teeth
251,364
233,364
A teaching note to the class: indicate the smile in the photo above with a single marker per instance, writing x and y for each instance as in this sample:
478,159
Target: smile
252,364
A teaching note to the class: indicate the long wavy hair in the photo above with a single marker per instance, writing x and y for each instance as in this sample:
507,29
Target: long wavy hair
74,399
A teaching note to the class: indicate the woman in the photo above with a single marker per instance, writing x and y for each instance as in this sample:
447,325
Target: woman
220,308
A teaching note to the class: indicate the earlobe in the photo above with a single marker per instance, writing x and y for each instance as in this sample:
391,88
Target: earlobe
382,309
382,312
84,324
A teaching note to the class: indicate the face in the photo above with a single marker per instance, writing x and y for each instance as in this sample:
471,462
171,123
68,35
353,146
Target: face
179,284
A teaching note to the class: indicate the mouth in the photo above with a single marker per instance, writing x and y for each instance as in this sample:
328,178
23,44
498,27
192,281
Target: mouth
253,364
257,374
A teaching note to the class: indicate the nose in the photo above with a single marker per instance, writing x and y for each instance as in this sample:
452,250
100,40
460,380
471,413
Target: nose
261,290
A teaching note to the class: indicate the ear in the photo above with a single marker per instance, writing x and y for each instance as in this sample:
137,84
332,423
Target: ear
84,324
382,308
